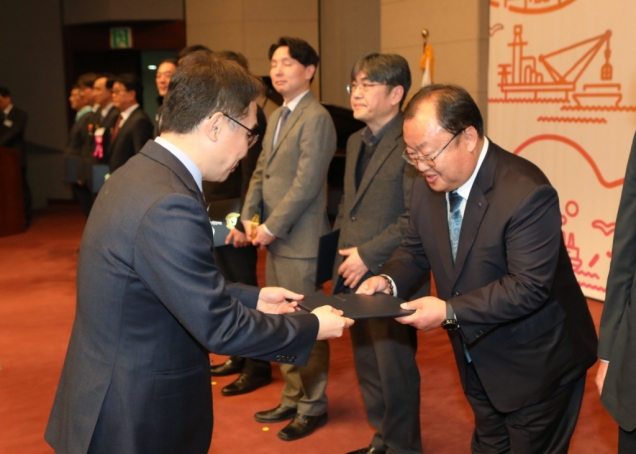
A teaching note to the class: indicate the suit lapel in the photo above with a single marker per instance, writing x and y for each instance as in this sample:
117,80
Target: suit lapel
387,145
439,218
476,207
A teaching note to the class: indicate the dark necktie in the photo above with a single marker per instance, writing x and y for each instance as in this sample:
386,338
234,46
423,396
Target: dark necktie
116,129
283,119
455,224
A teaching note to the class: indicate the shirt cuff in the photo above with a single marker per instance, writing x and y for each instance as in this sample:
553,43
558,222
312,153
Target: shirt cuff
267,230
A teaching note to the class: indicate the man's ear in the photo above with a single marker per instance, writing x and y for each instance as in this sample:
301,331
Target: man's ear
212,126
472,138
396,94
310,71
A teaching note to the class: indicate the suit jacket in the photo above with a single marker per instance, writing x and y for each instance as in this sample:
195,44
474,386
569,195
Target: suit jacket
13,136
131,137
290,180
150,305
522,315
617,341
92,122
375,216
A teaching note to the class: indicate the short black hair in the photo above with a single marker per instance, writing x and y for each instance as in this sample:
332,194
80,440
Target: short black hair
299,50
193,48
110,79
86,80
456,109
390,69
234,56
172,61
4,92
131,82
204,84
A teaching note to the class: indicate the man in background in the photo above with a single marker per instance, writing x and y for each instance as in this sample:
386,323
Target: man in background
133,128
165,70
617,349
13,121
372,219
237,259
289,192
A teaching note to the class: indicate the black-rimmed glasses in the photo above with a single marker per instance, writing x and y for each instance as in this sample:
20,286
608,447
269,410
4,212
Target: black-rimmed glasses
415,159
252,136
364,86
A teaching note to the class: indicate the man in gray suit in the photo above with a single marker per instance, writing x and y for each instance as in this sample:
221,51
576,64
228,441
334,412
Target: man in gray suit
372,218
617,341
289,190
151,302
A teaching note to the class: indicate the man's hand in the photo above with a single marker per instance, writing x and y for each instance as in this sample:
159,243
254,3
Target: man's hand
429,314
373,285
273,300
600,376
353,268
261,237
332,323
237,238
247,226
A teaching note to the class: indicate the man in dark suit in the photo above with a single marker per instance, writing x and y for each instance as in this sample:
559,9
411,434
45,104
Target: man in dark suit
13,121
372,218
133,128
289,190
487,224
150,301
237,261
165,70
617,342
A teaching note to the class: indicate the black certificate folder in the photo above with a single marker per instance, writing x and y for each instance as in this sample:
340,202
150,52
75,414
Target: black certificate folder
359,307
327,250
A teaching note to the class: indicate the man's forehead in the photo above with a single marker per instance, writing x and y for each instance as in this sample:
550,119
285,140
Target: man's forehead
282,53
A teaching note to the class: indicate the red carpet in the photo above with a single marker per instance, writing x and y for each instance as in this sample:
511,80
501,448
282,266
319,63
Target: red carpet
37,304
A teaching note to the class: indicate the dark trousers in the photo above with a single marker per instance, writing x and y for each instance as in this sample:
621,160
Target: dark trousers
84,197
384,355
544,427
239,265
626,441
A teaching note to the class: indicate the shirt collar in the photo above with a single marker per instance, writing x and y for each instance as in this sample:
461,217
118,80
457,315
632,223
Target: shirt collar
185,160
371,139
106,109
291,105
464,190
8,109
126,113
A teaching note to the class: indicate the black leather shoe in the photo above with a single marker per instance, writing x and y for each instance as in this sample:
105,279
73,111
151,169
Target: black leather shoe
302,426
233,365
246,383
278,414
367,450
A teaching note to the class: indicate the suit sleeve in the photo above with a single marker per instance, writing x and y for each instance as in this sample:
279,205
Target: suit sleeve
623,265
317,147
532,240
375,251
183,276
254,196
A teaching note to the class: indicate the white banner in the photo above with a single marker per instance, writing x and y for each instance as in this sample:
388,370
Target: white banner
562,93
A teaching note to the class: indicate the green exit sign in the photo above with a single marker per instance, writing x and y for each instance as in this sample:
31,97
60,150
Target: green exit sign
120,38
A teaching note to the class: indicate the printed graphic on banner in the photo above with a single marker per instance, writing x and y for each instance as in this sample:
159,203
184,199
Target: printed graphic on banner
562,93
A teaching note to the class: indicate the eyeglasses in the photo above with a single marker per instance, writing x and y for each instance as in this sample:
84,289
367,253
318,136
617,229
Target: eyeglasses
252,136
414,159
364,86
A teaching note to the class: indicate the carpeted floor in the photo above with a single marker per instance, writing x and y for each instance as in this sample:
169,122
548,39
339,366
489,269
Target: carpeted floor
37,304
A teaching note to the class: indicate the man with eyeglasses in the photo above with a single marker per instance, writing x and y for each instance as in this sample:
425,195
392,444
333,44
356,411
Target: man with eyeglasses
133,127
487,224
151,302
289,191
372,218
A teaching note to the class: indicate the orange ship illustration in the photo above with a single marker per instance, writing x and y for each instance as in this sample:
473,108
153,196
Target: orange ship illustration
523,80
